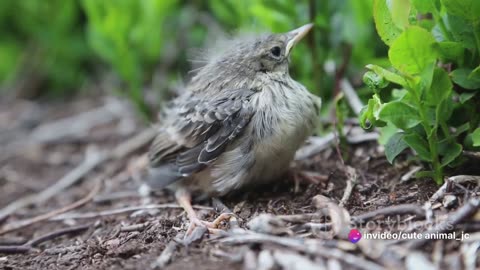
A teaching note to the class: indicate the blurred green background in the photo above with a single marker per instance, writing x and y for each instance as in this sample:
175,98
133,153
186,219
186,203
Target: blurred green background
141,48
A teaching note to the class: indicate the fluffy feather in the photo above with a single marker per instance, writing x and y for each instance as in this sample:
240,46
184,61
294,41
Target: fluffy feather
239,122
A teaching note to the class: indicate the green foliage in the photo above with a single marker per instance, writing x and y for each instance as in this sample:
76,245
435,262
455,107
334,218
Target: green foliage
434,59
339,25
63,42
44,39
476,137
128,35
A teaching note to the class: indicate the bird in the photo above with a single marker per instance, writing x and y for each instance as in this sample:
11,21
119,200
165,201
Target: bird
237,125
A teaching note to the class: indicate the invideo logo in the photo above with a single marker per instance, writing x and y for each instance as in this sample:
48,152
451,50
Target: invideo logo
354,236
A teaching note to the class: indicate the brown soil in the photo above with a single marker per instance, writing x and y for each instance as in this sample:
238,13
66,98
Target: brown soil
30,168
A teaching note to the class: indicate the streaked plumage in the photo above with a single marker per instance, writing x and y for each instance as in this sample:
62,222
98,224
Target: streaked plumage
239,123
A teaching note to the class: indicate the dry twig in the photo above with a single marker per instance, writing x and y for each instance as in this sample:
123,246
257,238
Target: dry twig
27,222
92,161
123,211
352,178
166,257
401,209
310,246
36,241
453,179
450,223
63,129
136,227
351,96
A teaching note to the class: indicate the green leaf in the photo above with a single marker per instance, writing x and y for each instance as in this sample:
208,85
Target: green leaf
399,10
413,50
420,145
449,50
426,79
451,152
462,128
475,74
476,137
400,114
386,132
387,74
464,97
468,9
440,89
374,81
408,98
424,6
462,31
386,28
462,77
369,113
444,110
395,146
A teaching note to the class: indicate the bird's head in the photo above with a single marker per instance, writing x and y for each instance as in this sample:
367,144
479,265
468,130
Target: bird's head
248,56
270,53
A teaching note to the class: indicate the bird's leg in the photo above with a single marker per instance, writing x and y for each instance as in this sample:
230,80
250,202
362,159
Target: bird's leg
184,199
311,177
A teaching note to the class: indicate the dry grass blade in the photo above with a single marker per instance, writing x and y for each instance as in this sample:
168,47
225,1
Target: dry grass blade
309,246
402,209
453,179
92,160
124,210
467,210
352,178
36,241
25,223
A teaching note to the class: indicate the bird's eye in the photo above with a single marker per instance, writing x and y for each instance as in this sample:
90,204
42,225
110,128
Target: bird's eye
276,51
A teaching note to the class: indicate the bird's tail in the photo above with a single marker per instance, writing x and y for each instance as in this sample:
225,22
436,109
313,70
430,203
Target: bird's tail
162,176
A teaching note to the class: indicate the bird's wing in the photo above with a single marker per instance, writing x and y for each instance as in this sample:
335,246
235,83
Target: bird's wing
198,133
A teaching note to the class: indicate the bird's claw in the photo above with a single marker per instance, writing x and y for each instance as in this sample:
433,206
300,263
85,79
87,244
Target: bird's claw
212,226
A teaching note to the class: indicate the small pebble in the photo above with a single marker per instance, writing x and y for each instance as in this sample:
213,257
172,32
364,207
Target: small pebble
450,201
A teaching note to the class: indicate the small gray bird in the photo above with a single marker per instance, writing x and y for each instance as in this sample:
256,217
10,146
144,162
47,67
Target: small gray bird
238,124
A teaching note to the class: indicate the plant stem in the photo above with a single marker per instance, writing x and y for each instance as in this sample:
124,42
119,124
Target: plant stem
477,36
437,167
432,141
446,131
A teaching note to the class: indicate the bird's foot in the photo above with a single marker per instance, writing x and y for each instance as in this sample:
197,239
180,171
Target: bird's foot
212,226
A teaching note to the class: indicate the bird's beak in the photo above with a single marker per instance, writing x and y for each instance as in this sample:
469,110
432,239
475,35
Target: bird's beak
296,35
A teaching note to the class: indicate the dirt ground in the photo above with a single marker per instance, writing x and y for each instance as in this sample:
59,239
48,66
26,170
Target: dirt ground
42,143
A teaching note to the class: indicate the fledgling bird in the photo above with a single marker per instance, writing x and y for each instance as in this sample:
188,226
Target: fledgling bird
238,124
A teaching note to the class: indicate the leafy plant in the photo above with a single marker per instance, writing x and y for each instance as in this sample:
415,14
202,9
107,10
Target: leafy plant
434,52
339,25
46,42
128,35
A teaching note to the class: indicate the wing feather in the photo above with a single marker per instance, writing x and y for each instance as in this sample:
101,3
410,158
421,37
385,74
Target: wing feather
196,133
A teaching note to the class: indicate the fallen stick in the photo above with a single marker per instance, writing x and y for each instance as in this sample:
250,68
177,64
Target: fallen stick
27,222
62,129
351,182
453,179
92,161
467,210
402,209
46,237
135,227
318,144
123,211
299,218
166,257
351,96
310,246
472,154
